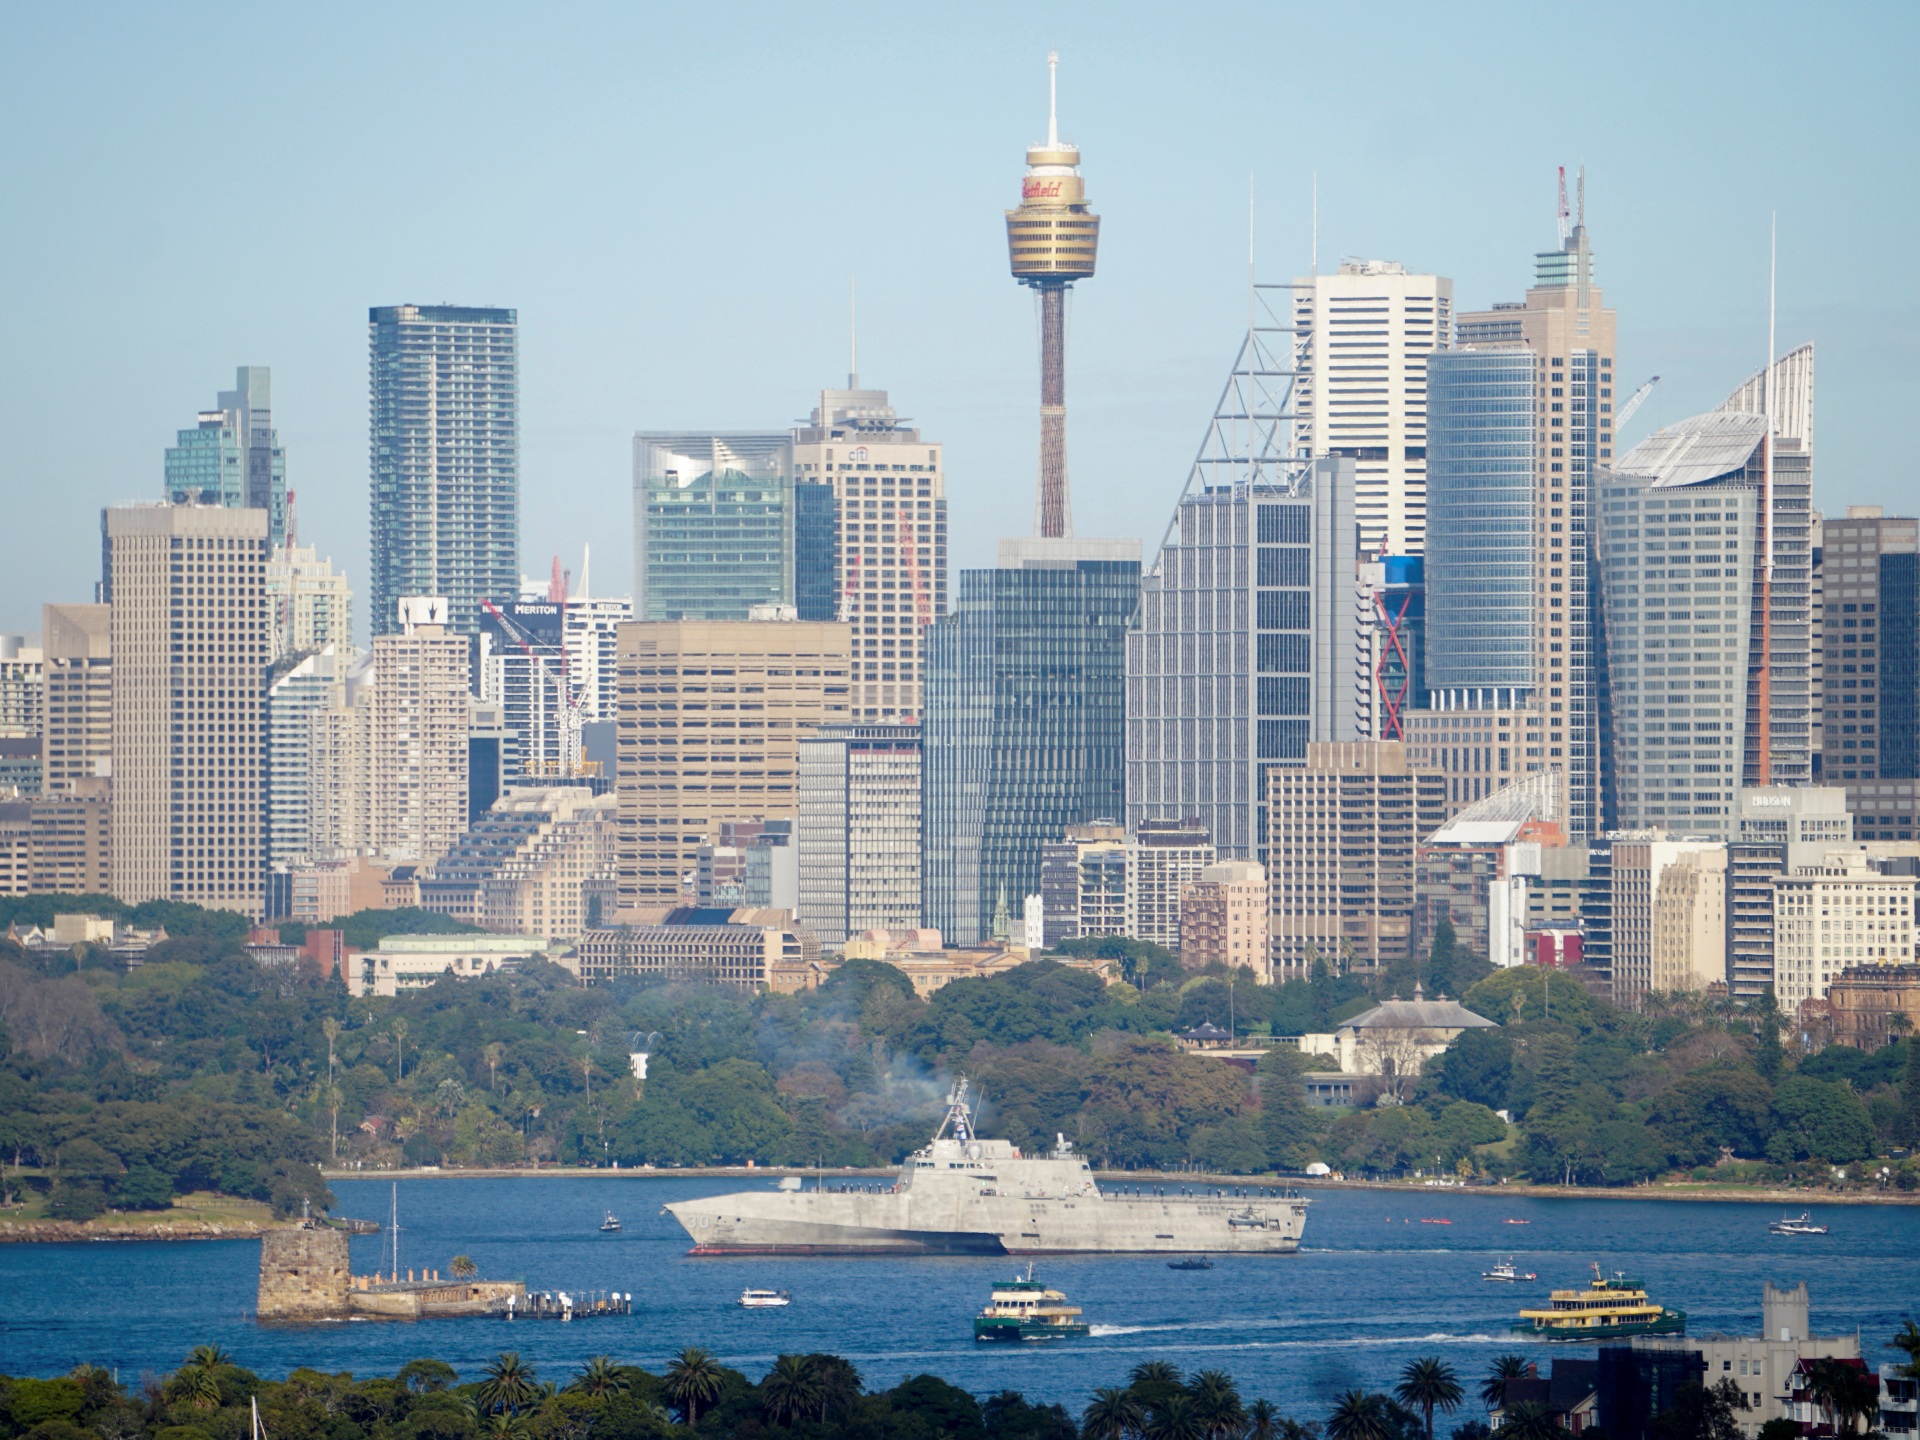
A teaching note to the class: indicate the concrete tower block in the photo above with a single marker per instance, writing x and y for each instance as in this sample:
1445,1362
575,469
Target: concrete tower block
1784,1313
304,1274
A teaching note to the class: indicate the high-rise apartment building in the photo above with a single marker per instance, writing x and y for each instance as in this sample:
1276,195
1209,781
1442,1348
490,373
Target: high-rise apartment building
232,456
76,736
1083,884
539,658
1243,652
1343,831
709,727
299,691
1223,919
859,830
1520,415
1708,619
445,439
1365,334
23,687
388,776
188,637
1163,858
310,602
1639,866
1841,913
889,565
1025,723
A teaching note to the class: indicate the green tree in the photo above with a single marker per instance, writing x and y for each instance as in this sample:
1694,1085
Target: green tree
1530,1420
462,1267
1907,1341
790,1390
1427,1384
600,1377
1217,1404
1823,1120
1846,1392
693,1379
1358,1415
1501,1369
1767,1057
1113,1414
1177,1418
1154,1381
509,1385
1910,1096
427,1376
1263,1421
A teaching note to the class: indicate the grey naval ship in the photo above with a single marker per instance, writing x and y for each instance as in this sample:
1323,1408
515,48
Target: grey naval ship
964,1195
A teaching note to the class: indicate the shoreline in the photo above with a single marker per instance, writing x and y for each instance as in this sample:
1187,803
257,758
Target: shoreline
1690,1190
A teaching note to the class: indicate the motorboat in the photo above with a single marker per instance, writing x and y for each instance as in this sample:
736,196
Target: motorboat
611,1223
1505,1271
764,1299
1192,1262
1789,1225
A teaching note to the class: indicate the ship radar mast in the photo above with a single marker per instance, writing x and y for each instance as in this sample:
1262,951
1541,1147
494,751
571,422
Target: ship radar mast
959,1115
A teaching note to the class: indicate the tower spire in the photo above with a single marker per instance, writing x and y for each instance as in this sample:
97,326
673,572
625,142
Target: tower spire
853,332
1053,99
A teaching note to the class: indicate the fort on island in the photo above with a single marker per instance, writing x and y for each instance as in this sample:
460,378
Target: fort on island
305,1275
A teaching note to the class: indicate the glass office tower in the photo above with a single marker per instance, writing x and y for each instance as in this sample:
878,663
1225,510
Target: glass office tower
714,527
445,439
1025,722
232,457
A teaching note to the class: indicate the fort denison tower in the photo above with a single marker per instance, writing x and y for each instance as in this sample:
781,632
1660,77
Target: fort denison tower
1051,242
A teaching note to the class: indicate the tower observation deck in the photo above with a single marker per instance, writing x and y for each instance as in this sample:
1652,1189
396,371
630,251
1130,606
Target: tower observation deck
1052,240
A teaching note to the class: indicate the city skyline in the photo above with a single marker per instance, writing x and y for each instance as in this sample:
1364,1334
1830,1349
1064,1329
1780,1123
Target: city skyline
1665,182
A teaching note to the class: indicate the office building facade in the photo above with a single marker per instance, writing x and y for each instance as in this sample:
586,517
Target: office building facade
445,459
1638,866
552,667
1083,884
1025,723
889,563
310,602
1163,858
232,455
711,714
1223,919
1243,652
859,830
188,634
1344,831
1844,912
23,687
76,735
1366,333
299,693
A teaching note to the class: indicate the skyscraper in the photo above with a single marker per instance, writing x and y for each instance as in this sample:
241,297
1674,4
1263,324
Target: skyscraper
859,830
1512,599
1707,614
445,439
709,728
1365,335
1025,722
714,518
76,738
889,563
300,691
187,586
232,457
309,601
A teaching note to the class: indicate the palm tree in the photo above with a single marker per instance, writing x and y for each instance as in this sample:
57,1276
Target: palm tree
1494,1388
330,1027
1114,1415
599,1376
1429,1384
493,1054
1177,1418
399,1048
463,1267
509,1384
1263,1421
504,1426
209,1357
197,1385
1153,1381
1848,1392
1909,1340
791,1389
1529,1420
1216,1400
1360,1416
693,1380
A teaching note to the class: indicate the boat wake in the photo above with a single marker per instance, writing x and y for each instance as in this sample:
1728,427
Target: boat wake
1438,1337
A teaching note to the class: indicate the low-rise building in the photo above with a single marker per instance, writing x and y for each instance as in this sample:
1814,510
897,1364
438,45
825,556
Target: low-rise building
1223,919
315,894
1899,1401
748,948
1569,1392
1396,1038
1763,1367
525,866
413,962
1865,1005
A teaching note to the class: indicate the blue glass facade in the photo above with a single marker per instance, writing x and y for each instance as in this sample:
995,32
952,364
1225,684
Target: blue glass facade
445,459
1025,726
714,519
1480,537
232,457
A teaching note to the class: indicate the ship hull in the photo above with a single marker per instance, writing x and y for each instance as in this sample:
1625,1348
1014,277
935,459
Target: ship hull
898,1223
1673,1322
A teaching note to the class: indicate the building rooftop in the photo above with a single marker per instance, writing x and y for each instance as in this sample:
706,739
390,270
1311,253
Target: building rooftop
1696,451
1418,1014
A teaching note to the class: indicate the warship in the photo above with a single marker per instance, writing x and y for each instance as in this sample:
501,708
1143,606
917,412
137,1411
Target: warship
965,1195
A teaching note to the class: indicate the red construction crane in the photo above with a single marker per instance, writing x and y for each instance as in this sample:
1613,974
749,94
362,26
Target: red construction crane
922,611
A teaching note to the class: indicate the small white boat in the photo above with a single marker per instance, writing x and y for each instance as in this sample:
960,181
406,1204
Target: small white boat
1802,1226
764,1299
1505,1271
611,1223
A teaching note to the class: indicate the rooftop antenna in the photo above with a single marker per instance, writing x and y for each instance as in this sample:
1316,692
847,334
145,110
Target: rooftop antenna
853,332
1566,226
1053,99
1253,301
1580,211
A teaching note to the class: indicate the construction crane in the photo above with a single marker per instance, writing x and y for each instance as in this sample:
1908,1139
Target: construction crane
922,611
1634,402
571,760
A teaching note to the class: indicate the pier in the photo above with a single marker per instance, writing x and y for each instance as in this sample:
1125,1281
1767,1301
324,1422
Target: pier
565,1305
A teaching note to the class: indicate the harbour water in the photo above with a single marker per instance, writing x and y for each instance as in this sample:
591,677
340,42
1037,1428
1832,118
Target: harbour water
1373,1286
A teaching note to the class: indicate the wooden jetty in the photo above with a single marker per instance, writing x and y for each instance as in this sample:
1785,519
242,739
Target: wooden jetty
565,1305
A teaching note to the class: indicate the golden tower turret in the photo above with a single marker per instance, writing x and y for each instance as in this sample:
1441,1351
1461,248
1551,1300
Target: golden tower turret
1052,241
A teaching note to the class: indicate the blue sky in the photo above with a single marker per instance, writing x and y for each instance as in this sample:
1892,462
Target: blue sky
673,198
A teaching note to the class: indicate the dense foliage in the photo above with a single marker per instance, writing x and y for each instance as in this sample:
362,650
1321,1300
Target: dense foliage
203,1069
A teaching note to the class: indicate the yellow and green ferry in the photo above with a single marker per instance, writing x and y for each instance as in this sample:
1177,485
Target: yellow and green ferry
1024,1309
1605,1310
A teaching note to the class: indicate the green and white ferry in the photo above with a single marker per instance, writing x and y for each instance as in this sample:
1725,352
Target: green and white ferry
1025,1309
